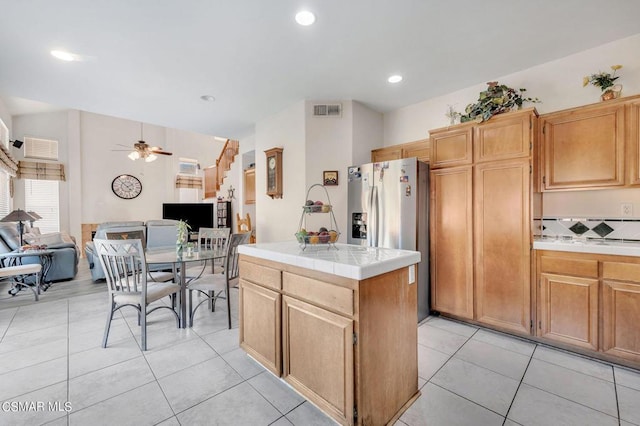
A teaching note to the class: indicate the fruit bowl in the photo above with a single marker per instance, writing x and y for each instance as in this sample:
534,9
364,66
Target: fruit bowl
324,208
317,238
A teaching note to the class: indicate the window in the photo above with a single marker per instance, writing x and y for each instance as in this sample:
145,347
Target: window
40,148
5,195
42,197
188,166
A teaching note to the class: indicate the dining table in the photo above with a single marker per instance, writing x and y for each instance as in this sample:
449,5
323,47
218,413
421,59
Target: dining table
178,259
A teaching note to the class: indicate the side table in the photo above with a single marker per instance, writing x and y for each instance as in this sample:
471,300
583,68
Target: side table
45,257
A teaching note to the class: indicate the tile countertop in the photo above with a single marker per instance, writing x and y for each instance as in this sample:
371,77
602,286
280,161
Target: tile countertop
349,261
621,248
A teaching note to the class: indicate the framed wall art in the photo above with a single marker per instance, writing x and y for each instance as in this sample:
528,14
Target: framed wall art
330,177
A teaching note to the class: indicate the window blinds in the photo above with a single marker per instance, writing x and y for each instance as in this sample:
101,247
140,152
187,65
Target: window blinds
40,171
188,182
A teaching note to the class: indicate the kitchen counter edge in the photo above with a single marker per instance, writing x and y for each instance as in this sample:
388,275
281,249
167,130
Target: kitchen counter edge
348,261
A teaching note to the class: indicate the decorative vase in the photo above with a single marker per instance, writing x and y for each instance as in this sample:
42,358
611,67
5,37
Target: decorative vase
612,93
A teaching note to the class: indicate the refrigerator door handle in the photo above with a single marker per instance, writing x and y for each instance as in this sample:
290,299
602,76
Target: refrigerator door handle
374,210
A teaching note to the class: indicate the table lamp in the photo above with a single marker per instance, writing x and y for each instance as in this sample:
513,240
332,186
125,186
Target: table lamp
35,215
18,216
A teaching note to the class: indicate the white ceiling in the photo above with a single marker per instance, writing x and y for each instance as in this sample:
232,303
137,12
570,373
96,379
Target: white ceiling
151,60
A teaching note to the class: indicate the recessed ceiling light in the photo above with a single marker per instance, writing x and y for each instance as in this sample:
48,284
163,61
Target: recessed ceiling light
218,138
305,18
208,98
64,56
395,79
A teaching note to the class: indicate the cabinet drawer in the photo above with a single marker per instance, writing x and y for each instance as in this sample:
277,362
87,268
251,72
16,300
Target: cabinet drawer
261,275
566,266
319,293
621,271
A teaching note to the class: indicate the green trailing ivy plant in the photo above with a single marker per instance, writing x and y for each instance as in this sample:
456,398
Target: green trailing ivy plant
498,98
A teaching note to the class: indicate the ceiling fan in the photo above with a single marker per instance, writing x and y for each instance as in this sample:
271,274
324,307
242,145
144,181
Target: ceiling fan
141,149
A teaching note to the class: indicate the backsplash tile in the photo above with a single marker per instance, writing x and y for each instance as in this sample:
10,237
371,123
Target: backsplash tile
602,229
590,228
579,228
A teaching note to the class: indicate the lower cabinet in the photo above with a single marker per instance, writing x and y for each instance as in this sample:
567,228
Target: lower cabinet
590,301
568,309
349,346
621,310
260,335
318,356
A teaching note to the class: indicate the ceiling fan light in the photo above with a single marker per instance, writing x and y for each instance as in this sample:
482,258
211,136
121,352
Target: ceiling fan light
151,157
134,155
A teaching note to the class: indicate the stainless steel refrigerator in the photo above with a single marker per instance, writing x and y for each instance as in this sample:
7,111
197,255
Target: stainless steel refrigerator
389,207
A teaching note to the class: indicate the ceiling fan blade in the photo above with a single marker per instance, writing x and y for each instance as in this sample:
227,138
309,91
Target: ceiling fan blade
161,152
126,146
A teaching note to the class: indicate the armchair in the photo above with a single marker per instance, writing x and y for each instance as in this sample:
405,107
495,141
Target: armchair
64,261
157,233
97,273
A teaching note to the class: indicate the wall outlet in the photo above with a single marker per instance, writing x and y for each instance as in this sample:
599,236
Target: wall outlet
626,209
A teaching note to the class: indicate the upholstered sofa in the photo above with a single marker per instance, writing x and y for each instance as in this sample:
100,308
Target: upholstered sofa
153,233
64,260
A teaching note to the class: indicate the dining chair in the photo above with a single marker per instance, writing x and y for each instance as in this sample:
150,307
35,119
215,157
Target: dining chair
124,265
214,286
18,276
244,225
214,239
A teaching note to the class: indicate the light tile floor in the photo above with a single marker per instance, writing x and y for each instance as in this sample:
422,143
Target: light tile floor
51,355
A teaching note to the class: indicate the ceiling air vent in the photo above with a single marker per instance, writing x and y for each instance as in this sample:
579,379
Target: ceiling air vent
327,110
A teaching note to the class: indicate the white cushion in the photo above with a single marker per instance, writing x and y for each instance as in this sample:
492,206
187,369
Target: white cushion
155,291
11,271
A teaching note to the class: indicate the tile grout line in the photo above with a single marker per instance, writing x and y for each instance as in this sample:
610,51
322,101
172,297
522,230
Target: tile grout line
519,385
570,400
454,393
615,390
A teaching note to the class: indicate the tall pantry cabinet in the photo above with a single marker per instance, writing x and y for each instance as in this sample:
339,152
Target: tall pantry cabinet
481,209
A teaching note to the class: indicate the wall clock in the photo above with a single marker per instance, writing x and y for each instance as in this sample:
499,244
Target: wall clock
274,172
126,186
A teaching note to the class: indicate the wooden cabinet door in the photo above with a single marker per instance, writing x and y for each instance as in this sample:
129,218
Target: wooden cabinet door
260,327
504,137
249,187
452,241
633,141
621,319
568,308
318,357
502,193
386,154
452,147
584,148
419,149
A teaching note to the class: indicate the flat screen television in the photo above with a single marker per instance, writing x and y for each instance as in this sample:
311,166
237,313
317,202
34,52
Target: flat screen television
195,214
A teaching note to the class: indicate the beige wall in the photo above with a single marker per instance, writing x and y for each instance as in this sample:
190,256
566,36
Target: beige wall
87,149
559,85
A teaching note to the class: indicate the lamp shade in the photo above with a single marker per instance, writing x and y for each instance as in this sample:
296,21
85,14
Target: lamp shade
35,215
17,216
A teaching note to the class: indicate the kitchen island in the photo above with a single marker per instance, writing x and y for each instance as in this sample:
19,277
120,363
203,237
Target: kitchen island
339,324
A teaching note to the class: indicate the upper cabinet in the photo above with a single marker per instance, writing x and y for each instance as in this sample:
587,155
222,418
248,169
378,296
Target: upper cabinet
584,147
633,141
504,136
591,147
250,186
451,147
419,149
